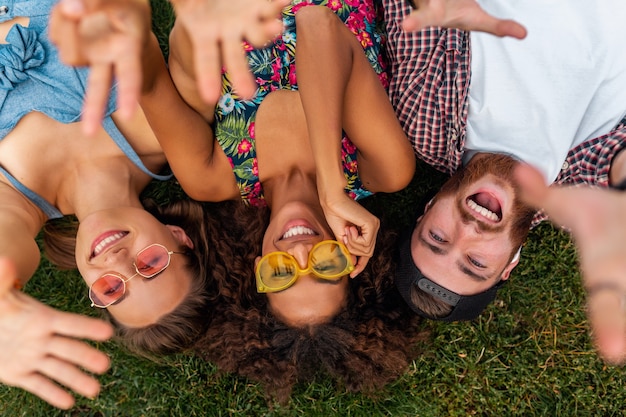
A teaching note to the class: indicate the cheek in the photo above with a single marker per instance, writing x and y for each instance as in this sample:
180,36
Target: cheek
267,245
89,276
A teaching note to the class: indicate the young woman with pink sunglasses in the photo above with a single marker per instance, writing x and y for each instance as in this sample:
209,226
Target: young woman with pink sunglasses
148,270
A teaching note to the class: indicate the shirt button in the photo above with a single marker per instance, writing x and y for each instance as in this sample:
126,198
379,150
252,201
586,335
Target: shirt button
564,166
4,10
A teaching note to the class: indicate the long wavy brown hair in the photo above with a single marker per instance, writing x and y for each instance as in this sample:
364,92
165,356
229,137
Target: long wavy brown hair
368,344
224,248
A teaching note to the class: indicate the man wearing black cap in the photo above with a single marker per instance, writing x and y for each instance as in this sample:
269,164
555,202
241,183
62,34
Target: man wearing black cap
556,100
466,243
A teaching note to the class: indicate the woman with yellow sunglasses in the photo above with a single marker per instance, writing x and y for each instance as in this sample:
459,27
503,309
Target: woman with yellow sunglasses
321,310
306,145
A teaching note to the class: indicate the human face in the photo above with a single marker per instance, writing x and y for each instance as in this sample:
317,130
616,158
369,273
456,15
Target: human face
109,240
469,232
295,229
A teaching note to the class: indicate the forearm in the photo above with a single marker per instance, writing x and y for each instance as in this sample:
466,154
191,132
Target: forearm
17,244
186,138
183,71
25,255
323,64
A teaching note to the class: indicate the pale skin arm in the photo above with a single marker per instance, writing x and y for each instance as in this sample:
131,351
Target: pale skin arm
16,240
109,36
460,14
40,347
339,89
597,221
38,344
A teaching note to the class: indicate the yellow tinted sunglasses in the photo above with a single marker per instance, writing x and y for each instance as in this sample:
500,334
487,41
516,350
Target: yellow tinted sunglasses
277,271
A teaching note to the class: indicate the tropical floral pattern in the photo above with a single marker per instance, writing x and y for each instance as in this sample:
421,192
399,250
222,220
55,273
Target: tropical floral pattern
274,68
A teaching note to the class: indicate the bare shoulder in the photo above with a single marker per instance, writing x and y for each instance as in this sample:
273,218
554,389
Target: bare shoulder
6,26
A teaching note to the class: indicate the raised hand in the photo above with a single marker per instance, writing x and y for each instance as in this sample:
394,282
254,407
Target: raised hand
597,221
460,14
107,35
352,225
39,346
217,29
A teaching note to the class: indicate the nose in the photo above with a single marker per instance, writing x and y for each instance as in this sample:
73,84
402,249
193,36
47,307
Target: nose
117,257
300,251
470,228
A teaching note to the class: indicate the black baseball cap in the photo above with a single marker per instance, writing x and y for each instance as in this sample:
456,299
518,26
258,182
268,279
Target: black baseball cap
464,307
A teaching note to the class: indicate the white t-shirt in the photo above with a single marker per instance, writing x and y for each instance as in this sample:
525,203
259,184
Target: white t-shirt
563,84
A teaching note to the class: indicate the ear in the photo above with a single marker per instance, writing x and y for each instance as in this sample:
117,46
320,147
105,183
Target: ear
507,271
429,204
180,235
256,261
426,208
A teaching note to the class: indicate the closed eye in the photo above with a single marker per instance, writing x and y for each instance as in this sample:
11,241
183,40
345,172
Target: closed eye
476,263
436,237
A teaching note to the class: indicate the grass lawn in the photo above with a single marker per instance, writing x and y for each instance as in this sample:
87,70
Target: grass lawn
528,354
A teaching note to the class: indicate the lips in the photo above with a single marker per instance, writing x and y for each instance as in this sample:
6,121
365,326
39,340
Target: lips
485,205
297,229
106,240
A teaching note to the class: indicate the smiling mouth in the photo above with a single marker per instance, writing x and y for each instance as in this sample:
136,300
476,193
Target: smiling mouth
486,206
298,231
104,241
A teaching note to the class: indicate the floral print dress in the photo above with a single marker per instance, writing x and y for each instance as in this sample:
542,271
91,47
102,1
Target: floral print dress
274,69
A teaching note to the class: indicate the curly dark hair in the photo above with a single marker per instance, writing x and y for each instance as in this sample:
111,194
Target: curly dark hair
366,345
221,244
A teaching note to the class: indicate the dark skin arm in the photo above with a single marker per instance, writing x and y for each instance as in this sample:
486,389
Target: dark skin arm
187,139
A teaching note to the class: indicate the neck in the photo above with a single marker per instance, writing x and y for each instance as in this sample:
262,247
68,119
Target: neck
100,189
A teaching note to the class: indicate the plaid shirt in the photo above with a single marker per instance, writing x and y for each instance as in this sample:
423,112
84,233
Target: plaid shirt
429,88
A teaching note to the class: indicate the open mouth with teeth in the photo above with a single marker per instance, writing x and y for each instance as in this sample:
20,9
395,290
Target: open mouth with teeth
104,241
298,231
486,206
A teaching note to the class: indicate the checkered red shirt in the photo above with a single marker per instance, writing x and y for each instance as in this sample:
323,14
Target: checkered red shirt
429,86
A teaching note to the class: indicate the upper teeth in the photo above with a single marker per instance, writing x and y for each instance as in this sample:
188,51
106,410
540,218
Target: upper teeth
482,210
106,241
297,231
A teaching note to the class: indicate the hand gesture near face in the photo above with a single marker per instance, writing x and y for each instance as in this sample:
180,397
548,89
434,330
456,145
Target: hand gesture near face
108,36
217,29
460,14
39,346
597,221
353,225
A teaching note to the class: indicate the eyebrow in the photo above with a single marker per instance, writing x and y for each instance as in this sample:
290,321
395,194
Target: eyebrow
472,274
434,249
464,269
